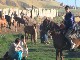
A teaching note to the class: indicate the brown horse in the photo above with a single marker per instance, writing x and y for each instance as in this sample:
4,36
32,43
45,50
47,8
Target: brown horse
32,30
3,23
60,42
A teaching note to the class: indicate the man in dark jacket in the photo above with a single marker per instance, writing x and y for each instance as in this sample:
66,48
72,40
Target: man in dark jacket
42,33
69,25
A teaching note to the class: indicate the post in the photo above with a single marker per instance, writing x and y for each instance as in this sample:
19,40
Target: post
75,4
31,11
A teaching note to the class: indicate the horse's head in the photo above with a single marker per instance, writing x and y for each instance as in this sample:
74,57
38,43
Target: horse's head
62,26
34,26
54,27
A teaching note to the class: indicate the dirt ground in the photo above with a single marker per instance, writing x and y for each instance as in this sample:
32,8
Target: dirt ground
12,30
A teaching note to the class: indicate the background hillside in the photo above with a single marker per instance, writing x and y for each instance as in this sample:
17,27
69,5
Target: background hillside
29,3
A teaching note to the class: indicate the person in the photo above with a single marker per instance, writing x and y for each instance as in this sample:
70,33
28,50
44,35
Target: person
22,14
44,31
15,50
24,46
15,14
69,25
41,33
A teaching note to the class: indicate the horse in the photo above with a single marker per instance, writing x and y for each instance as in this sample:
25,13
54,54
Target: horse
60,41
8,19
2,20
19,20
3,23
32,30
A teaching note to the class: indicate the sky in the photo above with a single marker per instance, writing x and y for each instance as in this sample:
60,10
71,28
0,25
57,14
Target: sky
70,2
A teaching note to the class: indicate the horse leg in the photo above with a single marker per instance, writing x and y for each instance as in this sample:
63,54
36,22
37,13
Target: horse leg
25,36
1,26
34,38
31,37
5,26
19,24
57,54
16,28
9,25
5,29
61,55
24,24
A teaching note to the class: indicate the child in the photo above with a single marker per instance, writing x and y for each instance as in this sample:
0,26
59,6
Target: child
15,50
24,46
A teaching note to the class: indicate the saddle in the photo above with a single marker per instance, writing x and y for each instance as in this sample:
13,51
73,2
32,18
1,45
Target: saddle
75,34
70,44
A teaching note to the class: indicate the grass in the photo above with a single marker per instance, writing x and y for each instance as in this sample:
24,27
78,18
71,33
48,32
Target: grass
36,52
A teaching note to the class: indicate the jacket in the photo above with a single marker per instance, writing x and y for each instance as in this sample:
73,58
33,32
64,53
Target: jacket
69,21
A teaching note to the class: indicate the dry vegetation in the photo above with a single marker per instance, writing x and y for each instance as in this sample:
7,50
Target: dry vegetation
28,3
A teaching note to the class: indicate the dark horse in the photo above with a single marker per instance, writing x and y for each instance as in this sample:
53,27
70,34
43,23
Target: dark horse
32,31
8,19
19,20
60,42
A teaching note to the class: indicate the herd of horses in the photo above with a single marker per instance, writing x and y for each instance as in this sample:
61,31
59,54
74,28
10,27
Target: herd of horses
59,40
30,26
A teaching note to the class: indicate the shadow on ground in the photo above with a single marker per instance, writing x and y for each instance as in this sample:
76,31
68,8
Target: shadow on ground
17,35
32,50
74,54
1,58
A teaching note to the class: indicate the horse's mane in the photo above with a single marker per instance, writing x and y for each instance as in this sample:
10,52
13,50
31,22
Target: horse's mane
55,25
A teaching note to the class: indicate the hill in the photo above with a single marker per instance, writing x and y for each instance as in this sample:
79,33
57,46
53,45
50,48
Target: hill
29,3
